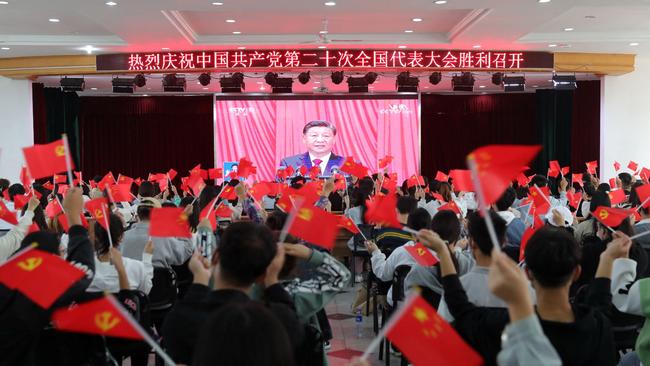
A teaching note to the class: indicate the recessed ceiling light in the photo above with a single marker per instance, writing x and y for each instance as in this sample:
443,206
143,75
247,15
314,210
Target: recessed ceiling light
476,46
316,82
417,19
401,46
93,88
552,45
111,3
321,47
145,95
89,49
206,88
236,32
323,32
330,3
535,86
315,87
54,20
198,83
634,43
543,1
230,20
408,31
241,48
568,29
481,86
5,48
165,48
217,3
4,3
440,2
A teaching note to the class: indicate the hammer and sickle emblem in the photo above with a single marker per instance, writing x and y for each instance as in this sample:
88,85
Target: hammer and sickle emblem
603,214
98,213
182,218
106,321
305,214
59,150
30,264
421,252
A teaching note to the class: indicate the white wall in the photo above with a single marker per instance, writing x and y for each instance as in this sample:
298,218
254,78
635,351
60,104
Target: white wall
16,125
625,119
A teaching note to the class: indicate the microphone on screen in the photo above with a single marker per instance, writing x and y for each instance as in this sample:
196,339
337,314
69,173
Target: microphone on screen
334,170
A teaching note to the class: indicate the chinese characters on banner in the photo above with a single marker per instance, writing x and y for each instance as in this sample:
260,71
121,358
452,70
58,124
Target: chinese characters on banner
288,59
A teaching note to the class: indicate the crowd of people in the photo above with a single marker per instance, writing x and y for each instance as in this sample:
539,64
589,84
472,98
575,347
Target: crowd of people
242,292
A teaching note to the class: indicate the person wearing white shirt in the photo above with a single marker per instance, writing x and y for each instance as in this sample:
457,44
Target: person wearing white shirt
139,273
10,242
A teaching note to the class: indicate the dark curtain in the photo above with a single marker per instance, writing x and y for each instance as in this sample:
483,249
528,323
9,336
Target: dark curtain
554,109
138,135
40,115
585,124
454,125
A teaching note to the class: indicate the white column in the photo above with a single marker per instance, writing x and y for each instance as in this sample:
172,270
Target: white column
16,125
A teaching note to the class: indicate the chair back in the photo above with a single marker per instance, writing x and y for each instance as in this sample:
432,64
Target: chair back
165,289
398,283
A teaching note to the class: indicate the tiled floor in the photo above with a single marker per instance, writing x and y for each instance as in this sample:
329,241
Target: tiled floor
346,343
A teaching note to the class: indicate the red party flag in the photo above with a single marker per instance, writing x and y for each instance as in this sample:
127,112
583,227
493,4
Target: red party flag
591,167
352,168
349,225
645,174
59,178
441,177
554,168
123,179
382,210
107,180
314,225
426,339
612,183
63,222
171,174
7,215
611,217
522,180
451,206
314,172
104,316
20,201
97,208
574,199
565,171
633,166
525,237
245,168
498,165
46,160
421,254
121,192
383,162
259,190
644,194
223,211
216,173
302,170
617,196
553,173
415,180
25,179
617,166
40,276
169,221
462,180
196,183
47,185
53,208
577,178
229,193
209,210
540,198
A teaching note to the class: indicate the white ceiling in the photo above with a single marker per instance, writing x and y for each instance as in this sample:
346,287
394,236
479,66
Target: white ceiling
149,25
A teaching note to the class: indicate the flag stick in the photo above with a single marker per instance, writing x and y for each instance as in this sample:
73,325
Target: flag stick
391,323
108,226
482,205
643,204
215,202
68,161
640,235
290,219
168,360
360,232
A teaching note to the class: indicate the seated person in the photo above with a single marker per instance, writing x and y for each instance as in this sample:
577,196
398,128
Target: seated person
388,239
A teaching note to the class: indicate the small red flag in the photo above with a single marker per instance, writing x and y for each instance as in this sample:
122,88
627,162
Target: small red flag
302,170
229,193
591,167
289,170
171,174
314,172
260,190
20,201
617,166
382,210
7,215
40,276
540,199
554,168
522,180
121,192
565,171
438,197
617,196
45,160
196,183
245,168
48,185
138,181
633,166
645,174
169,221
107,180
441,177
553,173
59,178
33,228
123,179
612,183
644,195
426,339
383,162
577,178
97,207
223,211
451,206
101,316
498,165
163,184
352,168
281,174
415,180
315,226
349,225
25,179
53,209
421,254
216,173
63,222
611,217
524,239
462,180
209,208
574,199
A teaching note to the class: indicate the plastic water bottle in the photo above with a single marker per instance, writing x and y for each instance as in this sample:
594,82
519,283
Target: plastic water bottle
359,321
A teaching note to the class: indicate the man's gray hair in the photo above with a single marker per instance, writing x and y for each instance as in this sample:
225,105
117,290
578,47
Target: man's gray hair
319,124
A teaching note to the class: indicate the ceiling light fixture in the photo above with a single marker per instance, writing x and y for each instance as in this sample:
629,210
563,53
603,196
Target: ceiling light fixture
440,2
552,45
165,48
54,20
408,31
241,48
401,46
417,19
4,3
321,47
230,20
476,46
634,43
5,48
330,3
543,1
89,49
111,3
217,3
323,32
236,32
93,88
568,29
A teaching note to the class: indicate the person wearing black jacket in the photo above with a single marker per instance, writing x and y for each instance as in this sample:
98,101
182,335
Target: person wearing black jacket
22,320
580,333
246,253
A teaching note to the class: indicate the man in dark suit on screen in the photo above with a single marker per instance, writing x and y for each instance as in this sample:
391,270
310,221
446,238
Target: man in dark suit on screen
318,137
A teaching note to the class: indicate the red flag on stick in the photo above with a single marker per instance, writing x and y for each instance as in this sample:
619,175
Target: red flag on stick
382,210
421,254
611,217
216,173
25,179
617,196
53,209
644,195
121,192
96,208
462,180
223,211
574,199
7,215
577,178
348,225
385,161
441,177
591,167
314,225
32,272
21,200
633,166
498,165
169,222
45,160
352,168
617,166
